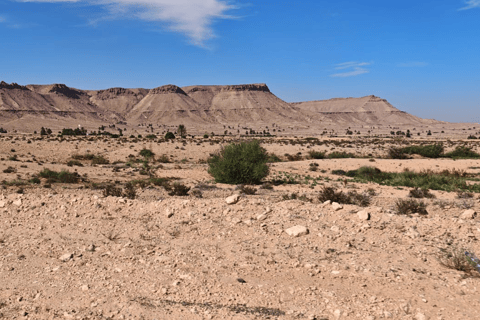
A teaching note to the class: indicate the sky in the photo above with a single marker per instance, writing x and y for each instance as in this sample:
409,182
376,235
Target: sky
422,56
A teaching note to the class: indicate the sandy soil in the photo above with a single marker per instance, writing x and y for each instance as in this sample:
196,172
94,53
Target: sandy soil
69,252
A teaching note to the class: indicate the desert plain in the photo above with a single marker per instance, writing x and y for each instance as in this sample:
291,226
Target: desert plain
75,251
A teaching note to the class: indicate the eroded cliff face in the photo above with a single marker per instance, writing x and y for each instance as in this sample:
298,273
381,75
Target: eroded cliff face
169,88
243,104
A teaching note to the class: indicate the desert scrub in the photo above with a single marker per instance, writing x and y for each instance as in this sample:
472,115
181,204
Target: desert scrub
462,152
423,180
340,155
420,193
72,163
410,206
146,153
179,189
460,259
63,176
351,197
99,159
427,151
239,163
316,154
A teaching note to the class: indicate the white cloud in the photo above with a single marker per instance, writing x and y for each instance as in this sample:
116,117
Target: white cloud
357,68
471,4
194,18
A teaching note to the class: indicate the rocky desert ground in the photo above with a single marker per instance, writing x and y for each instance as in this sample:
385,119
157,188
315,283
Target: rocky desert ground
120,243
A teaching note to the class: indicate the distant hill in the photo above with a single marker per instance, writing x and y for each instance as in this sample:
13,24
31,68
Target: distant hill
202,107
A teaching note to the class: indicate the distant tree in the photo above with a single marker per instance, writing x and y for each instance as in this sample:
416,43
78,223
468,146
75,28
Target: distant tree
182,131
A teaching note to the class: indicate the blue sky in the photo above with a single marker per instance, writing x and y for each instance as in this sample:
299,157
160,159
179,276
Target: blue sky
422,56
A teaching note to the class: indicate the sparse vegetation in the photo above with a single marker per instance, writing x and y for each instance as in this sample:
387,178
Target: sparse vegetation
62,176
410,206
461,260
352,197
420,193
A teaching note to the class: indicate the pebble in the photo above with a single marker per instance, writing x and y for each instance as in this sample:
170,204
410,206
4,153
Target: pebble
17,203
232,199
336,206
468,214
297,231
66,257
363,215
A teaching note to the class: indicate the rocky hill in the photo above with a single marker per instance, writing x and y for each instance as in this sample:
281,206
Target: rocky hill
235,106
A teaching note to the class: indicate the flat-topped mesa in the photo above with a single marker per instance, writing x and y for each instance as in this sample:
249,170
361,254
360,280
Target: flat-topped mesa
169,88
62,89
112,93
13,85
247,87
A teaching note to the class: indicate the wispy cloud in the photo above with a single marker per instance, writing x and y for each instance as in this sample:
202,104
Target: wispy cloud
193,18
356,68
471,4
413,64
2,19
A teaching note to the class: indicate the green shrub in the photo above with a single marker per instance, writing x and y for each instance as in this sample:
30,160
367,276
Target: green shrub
462,152
341,155
316,154
272,157
428,151
396,153
146,153
242,163
62,176
169,135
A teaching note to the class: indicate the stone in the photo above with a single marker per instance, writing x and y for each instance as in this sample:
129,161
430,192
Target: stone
17,203
336,206
327,203
363,215
420,316
2,204
468,214
412,233
232,199
261,217
169,213
66,257
297,231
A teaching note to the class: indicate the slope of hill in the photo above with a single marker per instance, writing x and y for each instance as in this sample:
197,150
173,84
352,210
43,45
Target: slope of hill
369,110
200,107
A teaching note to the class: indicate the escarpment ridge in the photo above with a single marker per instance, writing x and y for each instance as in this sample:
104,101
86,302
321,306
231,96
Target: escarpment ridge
235,106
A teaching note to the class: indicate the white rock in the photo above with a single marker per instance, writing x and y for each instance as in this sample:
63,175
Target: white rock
232,199
420,316
412,233
84,287
297,231
336,206
2,204
17,203
327,203
66,257
468,214
363,215
261,217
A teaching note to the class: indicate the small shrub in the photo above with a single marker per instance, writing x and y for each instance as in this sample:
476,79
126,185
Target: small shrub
410,206
196,193
72,163
34,180
62,176
427,151
10,170
169,135
129,191
339,172
460,259
164,159
146,153
99,160
329,193
247,190
295,157
111,190
316,154
266,186
464,195
242,163
313,167
341,155
396,153
462,152
420,193
179,189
